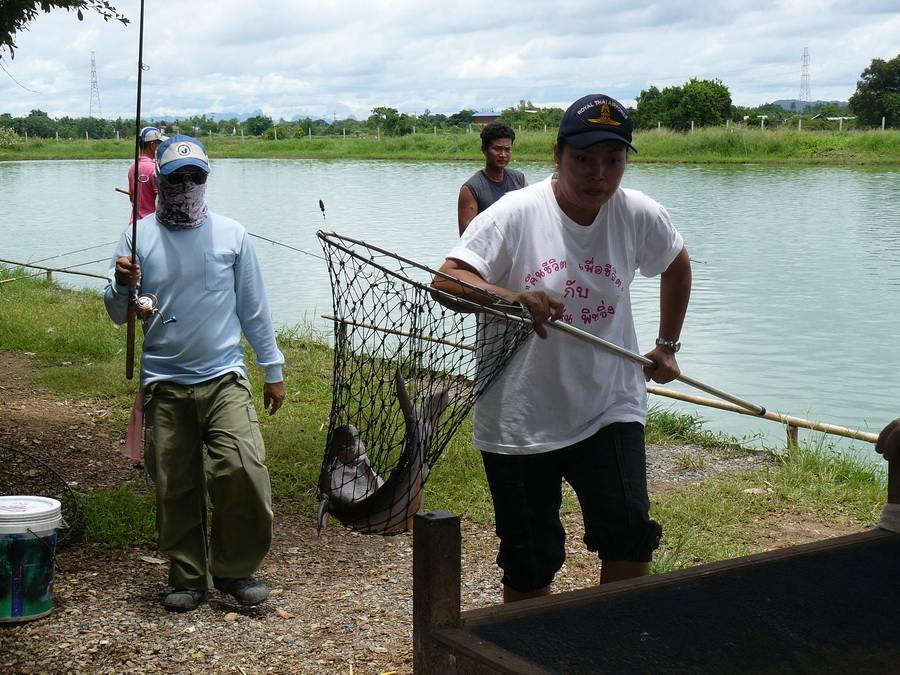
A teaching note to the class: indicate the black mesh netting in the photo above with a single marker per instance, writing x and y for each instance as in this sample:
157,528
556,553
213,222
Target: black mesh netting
22,473
407,371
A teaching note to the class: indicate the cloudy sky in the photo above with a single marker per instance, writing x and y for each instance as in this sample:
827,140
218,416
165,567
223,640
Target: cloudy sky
329,58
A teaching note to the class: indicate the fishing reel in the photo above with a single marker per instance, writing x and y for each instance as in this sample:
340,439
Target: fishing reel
145,306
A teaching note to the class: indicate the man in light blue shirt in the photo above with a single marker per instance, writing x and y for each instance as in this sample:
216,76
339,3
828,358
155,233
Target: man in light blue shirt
204,288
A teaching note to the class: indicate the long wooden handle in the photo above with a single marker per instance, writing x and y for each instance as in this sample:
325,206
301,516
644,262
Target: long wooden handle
129,343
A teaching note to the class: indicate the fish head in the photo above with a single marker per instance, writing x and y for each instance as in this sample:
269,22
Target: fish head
346,445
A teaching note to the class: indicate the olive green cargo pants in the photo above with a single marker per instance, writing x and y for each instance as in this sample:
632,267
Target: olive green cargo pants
180,421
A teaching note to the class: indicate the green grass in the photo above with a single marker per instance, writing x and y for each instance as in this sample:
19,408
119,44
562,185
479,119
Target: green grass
709,145
727,516
667,427
78,353
119,518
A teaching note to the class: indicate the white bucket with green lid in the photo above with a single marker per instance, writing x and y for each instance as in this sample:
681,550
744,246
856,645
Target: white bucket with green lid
27,556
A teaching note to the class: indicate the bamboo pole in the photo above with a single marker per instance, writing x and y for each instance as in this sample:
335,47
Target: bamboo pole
789,420
52,269
394,331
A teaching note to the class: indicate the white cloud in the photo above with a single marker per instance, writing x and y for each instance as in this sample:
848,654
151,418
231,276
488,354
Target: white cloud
334,57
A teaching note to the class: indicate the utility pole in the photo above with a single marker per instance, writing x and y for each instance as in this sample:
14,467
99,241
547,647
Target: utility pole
805,98
95,90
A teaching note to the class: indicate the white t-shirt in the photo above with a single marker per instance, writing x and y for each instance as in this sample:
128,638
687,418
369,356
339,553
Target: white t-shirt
560,390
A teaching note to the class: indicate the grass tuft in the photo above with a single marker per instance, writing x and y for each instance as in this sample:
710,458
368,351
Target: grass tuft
119,518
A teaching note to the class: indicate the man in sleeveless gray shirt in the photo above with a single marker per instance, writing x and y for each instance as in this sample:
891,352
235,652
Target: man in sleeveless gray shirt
495,179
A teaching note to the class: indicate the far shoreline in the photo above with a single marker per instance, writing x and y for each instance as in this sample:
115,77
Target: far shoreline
715,145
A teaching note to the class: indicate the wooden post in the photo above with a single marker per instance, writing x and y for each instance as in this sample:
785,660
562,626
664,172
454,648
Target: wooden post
437,544
793,436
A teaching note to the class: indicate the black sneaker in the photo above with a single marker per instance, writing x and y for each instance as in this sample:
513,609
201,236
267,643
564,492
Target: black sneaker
184,600
246,590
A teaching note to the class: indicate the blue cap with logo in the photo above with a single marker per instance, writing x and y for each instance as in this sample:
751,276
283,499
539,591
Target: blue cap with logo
179,151
595,118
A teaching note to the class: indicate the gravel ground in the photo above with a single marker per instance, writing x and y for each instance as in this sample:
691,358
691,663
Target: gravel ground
340,602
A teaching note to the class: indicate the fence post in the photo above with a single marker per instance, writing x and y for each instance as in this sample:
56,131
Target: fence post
49,275
793,436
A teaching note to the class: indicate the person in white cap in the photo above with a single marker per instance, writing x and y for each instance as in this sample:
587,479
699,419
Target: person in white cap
203,271
148,140
568,248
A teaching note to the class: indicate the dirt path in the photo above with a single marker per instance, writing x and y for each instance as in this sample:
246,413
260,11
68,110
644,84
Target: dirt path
338,600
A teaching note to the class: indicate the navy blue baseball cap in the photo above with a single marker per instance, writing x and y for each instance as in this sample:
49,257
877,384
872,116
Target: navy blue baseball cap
179,151
595,118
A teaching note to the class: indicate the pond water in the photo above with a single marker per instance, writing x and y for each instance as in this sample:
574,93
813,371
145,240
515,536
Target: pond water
796,297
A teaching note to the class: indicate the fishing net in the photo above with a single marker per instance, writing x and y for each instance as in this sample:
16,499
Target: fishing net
407,371
24,474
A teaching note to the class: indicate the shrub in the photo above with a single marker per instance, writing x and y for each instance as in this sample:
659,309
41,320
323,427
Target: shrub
9,139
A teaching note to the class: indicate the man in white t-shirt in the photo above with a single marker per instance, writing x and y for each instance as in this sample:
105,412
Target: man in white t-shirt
565,409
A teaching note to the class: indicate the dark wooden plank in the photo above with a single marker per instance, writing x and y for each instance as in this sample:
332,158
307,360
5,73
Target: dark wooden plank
489,657
556,601
800,613
437,545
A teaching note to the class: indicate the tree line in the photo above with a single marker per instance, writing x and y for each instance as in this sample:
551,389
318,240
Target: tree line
696,103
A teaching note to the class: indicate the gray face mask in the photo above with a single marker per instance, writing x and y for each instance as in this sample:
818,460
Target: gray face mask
181,206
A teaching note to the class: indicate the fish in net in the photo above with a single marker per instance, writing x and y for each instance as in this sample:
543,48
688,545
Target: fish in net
407,370
22,473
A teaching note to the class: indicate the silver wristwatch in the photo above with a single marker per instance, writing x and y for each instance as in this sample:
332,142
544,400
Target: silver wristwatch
671,344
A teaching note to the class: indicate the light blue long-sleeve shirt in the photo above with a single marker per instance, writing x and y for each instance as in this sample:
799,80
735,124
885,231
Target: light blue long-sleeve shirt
210,290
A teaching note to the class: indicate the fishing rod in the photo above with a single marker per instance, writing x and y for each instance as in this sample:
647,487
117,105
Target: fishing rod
80,250
132,282
279,243
271,241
